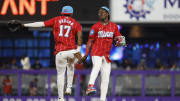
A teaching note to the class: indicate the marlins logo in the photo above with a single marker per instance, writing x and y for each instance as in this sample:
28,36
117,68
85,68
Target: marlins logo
139,8
92,32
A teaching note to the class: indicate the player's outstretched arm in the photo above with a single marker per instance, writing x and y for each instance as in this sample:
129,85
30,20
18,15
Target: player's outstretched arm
34,24
15,25
88,47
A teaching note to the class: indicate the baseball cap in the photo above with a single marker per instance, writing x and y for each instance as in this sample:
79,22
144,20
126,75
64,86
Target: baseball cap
105,8
67,10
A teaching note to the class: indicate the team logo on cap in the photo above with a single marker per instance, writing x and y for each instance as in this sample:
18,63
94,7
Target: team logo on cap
139,8
65,10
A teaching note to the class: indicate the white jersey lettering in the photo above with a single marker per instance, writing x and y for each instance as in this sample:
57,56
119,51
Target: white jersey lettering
66,21
103,34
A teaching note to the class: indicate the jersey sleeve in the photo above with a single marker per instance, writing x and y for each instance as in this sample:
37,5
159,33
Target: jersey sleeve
50,22
92,33
117,33
79,27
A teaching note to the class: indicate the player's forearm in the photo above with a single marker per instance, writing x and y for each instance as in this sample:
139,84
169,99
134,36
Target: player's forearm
79,41
35,24
90,41
79,34
87,51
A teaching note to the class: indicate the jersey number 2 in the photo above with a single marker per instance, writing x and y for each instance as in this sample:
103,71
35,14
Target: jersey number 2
62,27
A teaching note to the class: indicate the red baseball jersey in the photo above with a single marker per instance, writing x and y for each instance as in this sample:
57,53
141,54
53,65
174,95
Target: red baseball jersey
103,36
64,30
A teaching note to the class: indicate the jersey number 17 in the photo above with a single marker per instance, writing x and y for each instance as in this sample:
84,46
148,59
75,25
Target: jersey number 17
62,27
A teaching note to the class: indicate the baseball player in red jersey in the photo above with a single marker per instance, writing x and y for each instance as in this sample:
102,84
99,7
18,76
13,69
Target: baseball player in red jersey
64,30
101,36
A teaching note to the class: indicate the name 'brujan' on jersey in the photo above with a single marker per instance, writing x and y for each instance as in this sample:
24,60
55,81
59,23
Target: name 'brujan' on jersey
103,34
65,21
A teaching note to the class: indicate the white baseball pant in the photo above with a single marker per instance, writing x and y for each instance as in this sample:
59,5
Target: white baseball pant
100,64
63,61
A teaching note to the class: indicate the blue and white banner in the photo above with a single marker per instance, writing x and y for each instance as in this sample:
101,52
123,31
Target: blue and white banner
148,11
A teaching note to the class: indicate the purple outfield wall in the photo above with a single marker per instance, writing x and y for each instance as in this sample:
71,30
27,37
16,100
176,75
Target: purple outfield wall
78,96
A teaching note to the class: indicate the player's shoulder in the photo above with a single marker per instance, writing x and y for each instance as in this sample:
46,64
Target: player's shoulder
56,17
71,18
112,23
60,17
77,22
96,24
74,20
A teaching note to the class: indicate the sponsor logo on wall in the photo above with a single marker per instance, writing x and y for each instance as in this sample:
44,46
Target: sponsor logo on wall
139,8
145,11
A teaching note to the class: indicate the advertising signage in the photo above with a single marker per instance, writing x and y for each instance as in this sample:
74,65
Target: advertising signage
27,10
145,11
40,10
